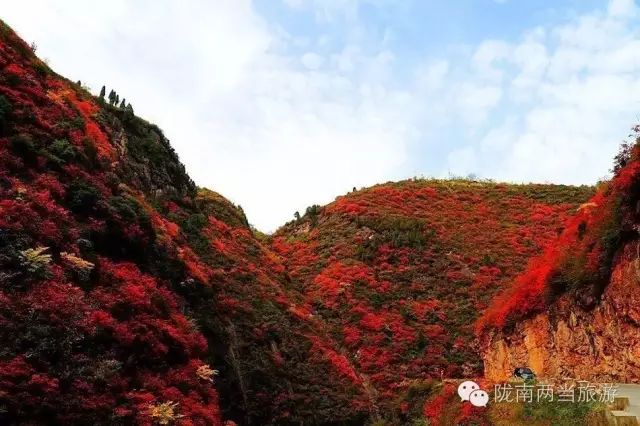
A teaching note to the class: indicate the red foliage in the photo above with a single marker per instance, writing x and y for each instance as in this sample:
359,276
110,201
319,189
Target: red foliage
95,134
372,322
433,408
576,254
300,312
471,415
90,339
338,361
195,268
396,273
351,335
400,271
421,308
15,69
336,278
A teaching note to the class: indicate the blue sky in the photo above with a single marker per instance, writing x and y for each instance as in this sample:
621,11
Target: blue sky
285,103
422,27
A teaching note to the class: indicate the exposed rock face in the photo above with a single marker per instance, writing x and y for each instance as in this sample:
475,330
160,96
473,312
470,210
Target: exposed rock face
567,342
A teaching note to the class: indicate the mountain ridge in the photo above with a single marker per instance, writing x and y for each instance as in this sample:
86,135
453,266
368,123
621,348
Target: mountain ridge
166,283
573,312
398,271
131,296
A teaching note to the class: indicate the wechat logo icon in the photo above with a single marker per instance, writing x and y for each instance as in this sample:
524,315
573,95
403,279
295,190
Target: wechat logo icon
470,391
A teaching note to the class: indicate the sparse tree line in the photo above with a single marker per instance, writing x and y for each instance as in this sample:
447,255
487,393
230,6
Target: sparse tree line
114,100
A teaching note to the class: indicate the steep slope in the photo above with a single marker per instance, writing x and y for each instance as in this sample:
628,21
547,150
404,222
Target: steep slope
123,287
574,312
279,367
398,272
87,334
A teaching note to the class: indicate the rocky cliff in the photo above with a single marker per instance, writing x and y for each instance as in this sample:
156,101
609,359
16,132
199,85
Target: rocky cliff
130,296
575,312
599,345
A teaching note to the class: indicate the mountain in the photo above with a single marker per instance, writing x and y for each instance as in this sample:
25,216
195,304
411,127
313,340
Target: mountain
398,273
128,295
124,286
574,311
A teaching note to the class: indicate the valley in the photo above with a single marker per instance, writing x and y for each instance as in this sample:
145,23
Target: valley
129,295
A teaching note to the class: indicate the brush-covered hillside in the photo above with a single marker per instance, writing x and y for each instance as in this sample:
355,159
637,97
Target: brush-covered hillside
574,311
398,273
127,295
130,296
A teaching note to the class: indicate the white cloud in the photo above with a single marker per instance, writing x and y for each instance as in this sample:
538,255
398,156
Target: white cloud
432,76
575,92
328,10
474,100
487,54
461,160
245,118
279,121
312,60
622,8
532,60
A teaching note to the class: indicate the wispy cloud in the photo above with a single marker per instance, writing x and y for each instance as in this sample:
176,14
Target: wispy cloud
278,119
570,92
272,130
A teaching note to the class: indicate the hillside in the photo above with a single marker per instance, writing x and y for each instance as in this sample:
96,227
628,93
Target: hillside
131,296
398,272
124,287
574,311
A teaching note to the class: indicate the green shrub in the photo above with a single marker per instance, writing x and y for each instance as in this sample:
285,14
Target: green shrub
560,413
396,231
128,209
62,149
5,112
24,147
312,213
41,68
416,395
82,197
76,123
91,154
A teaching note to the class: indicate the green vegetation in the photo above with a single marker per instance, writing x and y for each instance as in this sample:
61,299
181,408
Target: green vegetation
5,112
396,231
82,197
545,413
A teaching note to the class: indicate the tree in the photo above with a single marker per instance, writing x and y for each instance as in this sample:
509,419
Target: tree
623,156
103,91
112,97
128,112
297,215
123,104
117,99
